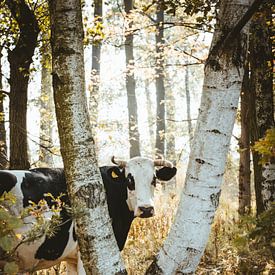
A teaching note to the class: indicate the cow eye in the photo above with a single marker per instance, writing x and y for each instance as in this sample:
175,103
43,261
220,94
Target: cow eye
154,181
130,182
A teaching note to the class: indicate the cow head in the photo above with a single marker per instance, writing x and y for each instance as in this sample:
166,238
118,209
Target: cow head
141,175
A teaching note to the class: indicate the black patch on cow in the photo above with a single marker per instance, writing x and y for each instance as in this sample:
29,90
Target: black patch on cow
7,182
116,190
130,182
41,181
74,235
166,173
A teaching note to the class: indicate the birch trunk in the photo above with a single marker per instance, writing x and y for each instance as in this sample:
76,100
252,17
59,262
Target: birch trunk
188,236
98,248
131,86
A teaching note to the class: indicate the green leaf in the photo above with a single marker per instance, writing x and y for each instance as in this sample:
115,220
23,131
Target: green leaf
6,242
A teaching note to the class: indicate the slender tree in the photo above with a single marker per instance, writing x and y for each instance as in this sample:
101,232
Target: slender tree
224,69
20,59
131,85
97,244
188,101
262,110
171,127
160,89
150,114
96,54
244,147
3,142
46,106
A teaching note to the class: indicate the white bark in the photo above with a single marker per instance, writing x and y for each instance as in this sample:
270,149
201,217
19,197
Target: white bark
187,239
98,248
268,190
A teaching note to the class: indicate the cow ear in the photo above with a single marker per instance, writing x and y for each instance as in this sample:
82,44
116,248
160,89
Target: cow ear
116,174
166,173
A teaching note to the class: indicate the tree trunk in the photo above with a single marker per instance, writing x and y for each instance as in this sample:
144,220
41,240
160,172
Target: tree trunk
3,143
131,86
171,127
187,94
160,89
46,108
262,111
244,147
96,54
189,233
98,249
150,114
20,59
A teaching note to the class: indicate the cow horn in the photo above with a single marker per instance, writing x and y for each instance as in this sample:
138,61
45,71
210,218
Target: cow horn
163,162
120,163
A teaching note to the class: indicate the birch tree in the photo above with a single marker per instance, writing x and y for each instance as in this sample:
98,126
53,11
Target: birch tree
97,244
188,236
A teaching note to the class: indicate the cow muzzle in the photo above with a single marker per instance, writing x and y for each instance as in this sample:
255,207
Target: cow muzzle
146,212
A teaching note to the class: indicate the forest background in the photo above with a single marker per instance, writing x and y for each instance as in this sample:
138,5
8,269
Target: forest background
154,52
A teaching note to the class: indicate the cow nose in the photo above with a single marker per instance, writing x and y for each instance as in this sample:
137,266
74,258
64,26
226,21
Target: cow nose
146,212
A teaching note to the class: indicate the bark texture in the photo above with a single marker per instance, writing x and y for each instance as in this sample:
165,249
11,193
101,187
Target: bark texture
96,55
262,110
189,233
244,147
160,89
131,86
20,59
98,248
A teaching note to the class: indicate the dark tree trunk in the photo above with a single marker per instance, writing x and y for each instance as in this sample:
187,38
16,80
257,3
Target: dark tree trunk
20,59
131,87
160,89
96,55
3,143
262,111
244,146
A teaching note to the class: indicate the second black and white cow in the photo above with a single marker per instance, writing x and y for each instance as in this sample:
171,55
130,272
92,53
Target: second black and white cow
130,193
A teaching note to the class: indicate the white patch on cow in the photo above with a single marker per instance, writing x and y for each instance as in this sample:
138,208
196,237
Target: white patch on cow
142,169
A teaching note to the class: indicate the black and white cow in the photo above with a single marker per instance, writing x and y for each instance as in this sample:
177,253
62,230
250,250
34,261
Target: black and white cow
130,193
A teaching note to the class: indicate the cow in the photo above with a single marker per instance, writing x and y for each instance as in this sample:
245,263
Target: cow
129,188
